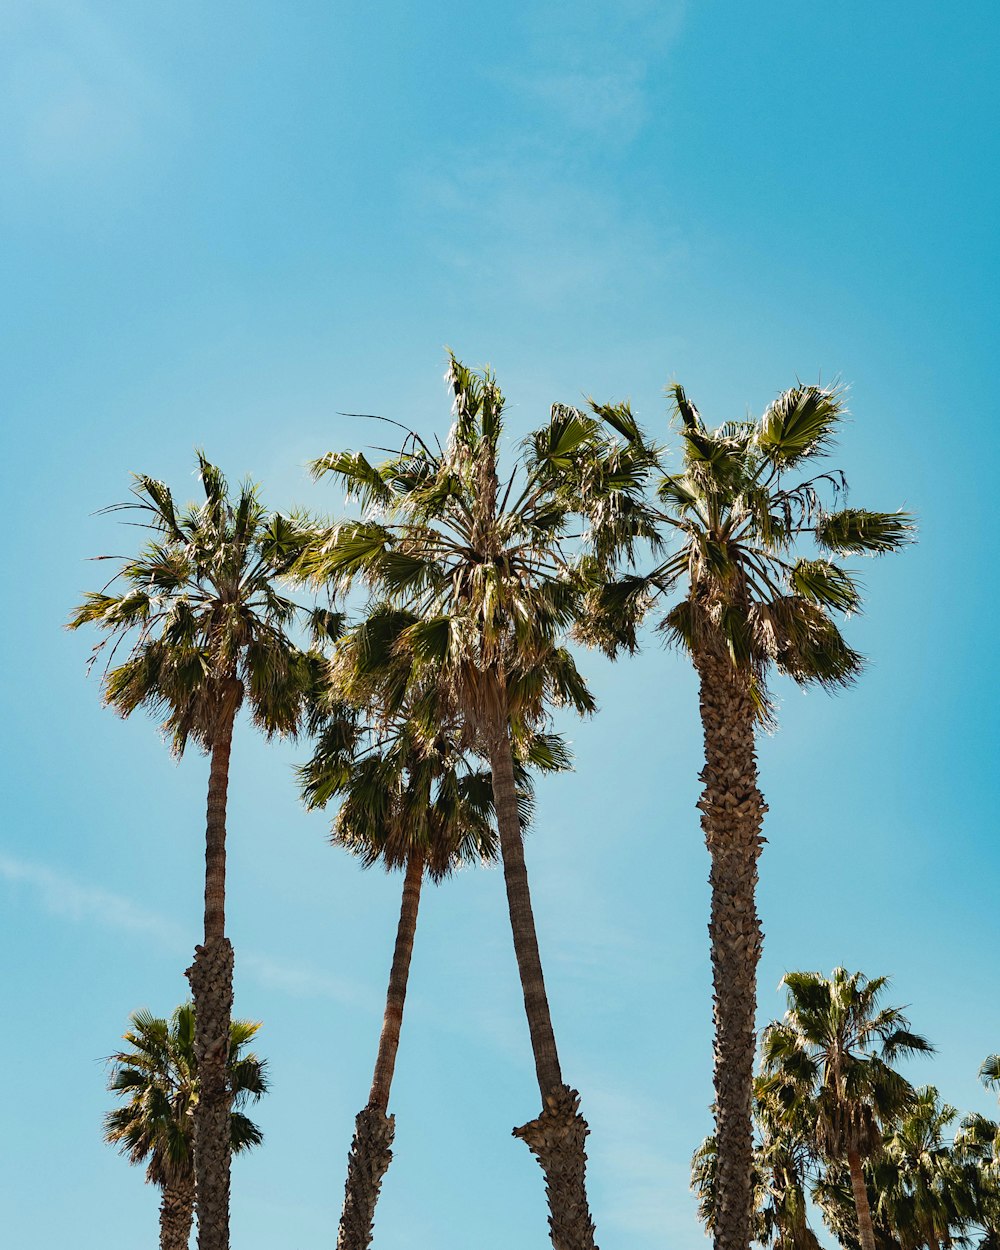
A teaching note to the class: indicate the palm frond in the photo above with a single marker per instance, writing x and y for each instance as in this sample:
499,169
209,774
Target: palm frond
800,423
857,531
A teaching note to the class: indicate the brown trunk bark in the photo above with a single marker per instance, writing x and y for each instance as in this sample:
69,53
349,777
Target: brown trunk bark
371,1152
522,919
732,813
866,1230
211,977
388,1046
367,1163
176,1214
215,834
557,1137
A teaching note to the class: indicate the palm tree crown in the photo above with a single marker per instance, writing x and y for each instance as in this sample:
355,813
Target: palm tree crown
404,793
925,1194
731,523
488,566
977,1144
157,1077
839,1044
206,626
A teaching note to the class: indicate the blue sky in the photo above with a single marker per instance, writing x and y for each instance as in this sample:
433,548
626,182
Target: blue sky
221,226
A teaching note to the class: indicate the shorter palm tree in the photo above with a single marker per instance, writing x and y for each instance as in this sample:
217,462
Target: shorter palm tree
837,1046
205,632
158,1078
924,1194
412,799
977,1145
833,1193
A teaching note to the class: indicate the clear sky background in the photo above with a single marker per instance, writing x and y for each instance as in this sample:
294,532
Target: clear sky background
224,224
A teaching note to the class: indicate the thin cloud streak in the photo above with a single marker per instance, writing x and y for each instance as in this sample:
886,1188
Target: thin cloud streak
82,903
649,1192
560,82
77,94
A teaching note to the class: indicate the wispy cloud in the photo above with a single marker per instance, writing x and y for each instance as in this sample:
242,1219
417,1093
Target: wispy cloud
84,903
650,1191
303,981
514,222
77,94
589,68
531,210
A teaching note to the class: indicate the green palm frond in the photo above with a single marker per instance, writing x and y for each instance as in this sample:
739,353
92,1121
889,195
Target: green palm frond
824,583
684,409
856,531
800,423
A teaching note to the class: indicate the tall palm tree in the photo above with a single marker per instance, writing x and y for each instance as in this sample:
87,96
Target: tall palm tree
206,633
412,802
730,528
158,1077
481,570
838,1046
783,1161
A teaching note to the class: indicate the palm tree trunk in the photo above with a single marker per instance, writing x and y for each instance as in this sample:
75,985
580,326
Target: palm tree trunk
732,813
866,1230
211,977
176,1214
371,1151
557,1137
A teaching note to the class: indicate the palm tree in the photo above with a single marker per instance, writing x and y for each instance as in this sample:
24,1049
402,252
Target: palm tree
923,1191
730,526
834,1195
409,802
480,574
977,1145
782,1162
206,632
409,805
836,1045
158,1076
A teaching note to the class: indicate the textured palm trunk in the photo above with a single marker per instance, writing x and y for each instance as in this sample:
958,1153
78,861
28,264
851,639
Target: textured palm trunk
732,813
211,977
176,1215
371,1151
557,1137
866,1230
